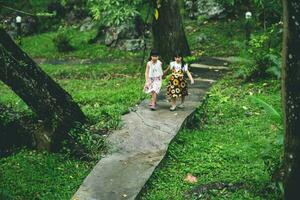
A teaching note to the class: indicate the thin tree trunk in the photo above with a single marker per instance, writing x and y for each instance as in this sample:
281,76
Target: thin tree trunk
168,32
291,98
52,104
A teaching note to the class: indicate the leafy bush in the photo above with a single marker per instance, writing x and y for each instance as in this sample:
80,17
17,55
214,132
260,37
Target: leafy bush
62,40
266,11
263,51
273,164
114,12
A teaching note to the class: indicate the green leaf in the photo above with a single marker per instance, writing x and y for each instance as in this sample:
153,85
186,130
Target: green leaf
270,110
156,14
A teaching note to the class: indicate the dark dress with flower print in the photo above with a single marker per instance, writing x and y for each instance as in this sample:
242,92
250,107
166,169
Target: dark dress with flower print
177,86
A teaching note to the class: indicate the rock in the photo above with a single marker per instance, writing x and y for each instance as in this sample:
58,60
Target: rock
87,24
29,26
202,38
191,9
111,36
70,17
189,29
131,44
203,8
125,31
209,8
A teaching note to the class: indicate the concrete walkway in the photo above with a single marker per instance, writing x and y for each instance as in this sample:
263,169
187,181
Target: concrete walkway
137,149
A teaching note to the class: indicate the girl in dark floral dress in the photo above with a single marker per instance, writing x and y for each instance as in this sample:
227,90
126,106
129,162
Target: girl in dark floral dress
177,87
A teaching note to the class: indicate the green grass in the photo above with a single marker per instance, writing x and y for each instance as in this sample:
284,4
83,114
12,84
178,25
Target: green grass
231,147
219,38
29,175
104,92
234,146
42,46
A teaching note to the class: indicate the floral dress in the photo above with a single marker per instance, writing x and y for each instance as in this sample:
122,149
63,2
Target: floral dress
177,86
155,77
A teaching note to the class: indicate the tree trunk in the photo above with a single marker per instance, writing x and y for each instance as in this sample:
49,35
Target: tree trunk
52,104
168,32
291,98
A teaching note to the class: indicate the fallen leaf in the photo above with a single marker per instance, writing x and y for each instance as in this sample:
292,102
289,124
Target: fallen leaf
190,178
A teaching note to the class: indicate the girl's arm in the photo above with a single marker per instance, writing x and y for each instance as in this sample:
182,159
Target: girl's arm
166,70
147,73
190,76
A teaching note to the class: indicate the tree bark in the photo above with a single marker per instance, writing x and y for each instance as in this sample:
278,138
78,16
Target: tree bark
291,98
52,104
168,32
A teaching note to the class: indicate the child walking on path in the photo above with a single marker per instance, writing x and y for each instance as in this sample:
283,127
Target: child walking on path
153,77
177,87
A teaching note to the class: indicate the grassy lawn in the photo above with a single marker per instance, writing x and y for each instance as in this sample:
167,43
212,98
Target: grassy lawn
42,46
217,38
31,175
237,145
104,92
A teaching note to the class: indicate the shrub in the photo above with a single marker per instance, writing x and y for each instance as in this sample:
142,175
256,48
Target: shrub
62,40
264,52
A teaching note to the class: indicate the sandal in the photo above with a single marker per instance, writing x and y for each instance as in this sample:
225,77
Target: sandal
172,108
152,107
150,104
181,106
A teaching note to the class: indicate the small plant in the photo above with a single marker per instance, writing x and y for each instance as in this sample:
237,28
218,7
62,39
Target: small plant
84,136
274,165
263,52
62,40
5,195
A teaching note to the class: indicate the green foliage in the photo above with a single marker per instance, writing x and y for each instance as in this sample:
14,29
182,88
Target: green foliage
114,12
33,175
87,137
5,195
104,92
215,38
265,11
272,162
264,51
273,113
62,40
229,148
42,46
191,59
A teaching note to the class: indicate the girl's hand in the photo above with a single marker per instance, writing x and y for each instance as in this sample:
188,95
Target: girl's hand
146,86
192,81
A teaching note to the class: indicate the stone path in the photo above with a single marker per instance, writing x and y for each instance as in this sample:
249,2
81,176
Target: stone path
137,149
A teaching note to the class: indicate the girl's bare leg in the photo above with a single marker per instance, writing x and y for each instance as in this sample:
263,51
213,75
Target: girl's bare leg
173,104
182,99
153,100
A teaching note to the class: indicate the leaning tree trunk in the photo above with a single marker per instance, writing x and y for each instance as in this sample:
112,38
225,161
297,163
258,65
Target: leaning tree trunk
168,32
52,104
291,98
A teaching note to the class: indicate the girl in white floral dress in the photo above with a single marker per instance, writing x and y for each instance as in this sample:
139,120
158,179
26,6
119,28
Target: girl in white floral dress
153,77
